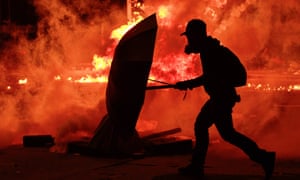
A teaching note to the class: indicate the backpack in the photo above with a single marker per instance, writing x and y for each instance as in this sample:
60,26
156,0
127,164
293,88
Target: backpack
236,73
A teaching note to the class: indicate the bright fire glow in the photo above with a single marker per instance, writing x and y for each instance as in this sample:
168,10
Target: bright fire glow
101,63
163,12
69,35
118,33
271,88
23,81
57,77
295,87
90,79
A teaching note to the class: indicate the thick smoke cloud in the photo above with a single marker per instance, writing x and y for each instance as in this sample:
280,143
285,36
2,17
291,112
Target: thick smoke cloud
69,33
249,27
264,34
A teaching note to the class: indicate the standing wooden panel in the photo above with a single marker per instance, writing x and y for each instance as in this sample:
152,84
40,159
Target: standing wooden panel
126,87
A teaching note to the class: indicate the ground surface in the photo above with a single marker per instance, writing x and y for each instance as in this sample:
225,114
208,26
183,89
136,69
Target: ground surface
18,162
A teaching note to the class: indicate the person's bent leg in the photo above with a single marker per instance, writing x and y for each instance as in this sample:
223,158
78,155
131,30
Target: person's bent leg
196,167
201,142
255,153
201,127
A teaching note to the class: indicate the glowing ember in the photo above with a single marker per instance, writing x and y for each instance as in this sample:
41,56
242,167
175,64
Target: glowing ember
23,81
295,87
90,79
57,78
271,88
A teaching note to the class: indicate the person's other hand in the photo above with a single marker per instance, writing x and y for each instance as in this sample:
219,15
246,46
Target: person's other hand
182,85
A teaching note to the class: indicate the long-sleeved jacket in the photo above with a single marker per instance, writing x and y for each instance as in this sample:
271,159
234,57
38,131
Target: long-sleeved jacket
216,77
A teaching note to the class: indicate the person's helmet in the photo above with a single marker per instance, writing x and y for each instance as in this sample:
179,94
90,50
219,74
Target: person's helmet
195,26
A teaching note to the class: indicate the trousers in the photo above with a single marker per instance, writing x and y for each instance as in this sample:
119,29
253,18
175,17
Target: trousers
219,113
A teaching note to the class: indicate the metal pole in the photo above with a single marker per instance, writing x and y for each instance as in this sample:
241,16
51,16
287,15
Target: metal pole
165,86
154,80
160,87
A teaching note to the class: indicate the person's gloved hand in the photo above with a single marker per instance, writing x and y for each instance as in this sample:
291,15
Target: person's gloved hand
183,85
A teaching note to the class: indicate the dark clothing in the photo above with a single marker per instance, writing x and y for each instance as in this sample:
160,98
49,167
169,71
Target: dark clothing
217,110
222,72
216,69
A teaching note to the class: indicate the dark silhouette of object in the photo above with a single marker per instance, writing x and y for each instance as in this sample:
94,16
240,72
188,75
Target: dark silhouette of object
20,12
125,92
38,140
220,67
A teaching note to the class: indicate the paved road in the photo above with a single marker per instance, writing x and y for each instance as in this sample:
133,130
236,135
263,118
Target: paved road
17,162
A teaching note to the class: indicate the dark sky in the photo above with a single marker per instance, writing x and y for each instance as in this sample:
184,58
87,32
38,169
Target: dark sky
20,12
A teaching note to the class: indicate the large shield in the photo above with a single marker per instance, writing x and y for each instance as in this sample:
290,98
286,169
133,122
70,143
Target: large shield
126,87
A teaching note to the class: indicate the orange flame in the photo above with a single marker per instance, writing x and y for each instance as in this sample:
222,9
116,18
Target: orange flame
163,12
118,33
101,63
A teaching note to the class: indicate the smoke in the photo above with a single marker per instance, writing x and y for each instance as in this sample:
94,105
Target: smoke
248,27
264,34
68,35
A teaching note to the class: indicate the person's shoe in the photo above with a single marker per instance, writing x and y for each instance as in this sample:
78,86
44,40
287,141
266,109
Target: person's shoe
268,164
192,170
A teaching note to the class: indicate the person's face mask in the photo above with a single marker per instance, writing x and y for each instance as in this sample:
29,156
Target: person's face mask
193,44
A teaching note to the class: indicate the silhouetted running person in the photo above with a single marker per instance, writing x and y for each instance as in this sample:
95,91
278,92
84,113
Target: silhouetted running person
220,86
